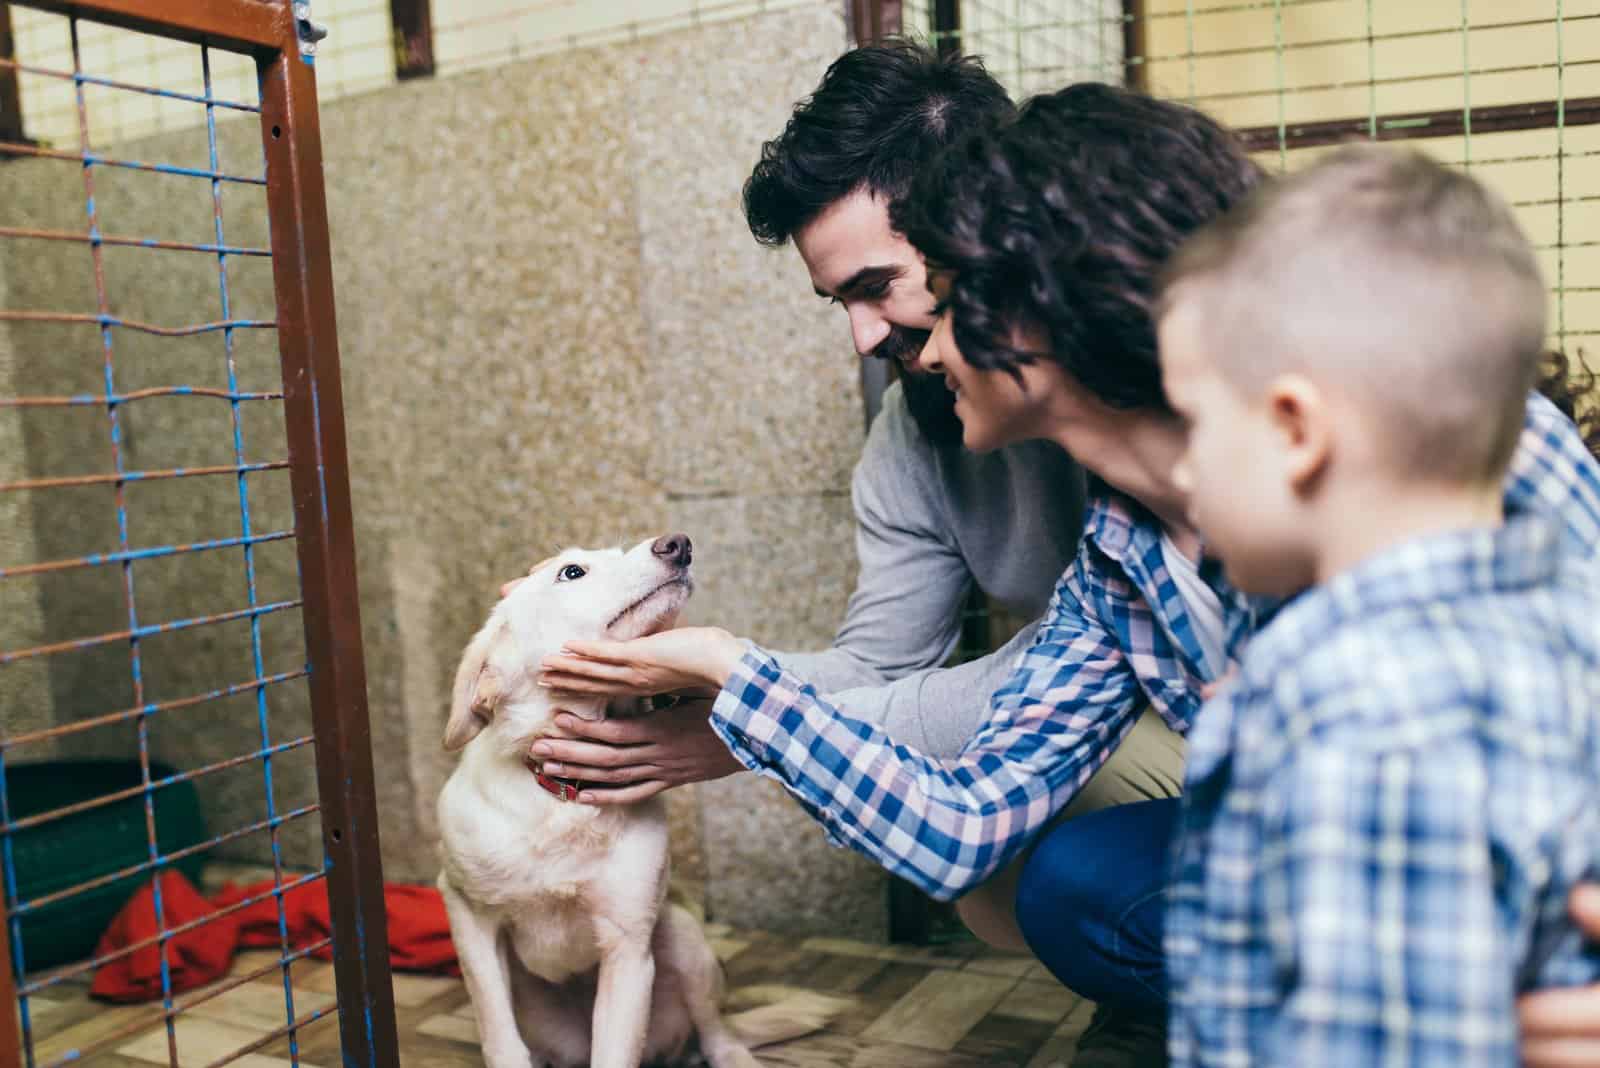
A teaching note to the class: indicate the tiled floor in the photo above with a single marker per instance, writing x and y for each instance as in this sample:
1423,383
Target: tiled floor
901,1007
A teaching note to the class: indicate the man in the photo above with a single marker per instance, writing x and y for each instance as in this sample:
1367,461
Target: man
932,518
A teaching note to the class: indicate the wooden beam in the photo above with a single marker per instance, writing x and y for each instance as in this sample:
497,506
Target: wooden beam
10,89
255,26
947,26
1579,111
413,38
1135,69
873,20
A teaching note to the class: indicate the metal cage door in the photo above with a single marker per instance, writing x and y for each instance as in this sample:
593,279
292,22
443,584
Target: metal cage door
279,39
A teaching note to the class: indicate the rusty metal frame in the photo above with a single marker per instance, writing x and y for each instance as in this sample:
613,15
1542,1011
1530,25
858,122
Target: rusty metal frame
319,479
1580,111
253,26
873,20
412,22
947,26
10,88
1135,72
319,474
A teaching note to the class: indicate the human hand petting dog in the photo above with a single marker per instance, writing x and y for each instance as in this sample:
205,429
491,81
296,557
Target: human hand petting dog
672,660
633,759
1560,1028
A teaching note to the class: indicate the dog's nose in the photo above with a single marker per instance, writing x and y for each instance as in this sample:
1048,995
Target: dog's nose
674,549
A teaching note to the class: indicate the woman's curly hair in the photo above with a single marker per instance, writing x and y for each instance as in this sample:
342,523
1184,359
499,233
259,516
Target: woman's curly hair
1569,384
1063,219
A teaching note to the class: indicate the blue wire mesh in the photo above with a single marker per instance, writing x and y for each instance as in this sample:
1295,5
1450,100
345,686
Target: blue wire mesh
51,335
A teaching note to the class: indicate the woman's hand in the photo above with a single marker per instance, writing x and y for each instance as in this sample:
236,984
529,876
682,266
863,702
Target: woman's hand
1561,1028
680,659
624,761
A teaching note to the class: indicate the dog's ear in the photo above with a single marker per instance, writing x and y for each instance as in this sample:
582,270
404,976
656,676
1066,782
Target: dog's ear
478,690
507,587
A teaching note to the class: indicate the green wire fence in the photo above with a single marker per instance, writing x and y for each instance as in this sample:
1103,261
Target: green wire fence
1511,91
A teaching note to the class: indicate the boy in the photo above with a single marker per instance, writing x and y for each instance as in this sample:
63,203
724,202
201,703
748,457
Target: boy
1386,809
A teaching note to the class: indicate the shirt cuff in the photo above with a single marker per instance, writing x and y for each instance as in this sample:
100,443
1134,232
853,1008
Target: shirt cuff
736,715
750,715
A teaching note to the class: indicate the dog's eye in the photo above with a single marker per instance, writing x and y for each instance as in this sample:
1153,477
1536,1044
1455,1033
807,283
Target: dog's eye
570,572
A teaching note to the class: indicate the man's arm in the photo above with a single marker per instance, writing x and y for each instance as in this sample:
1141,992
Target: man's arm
905,613
937,711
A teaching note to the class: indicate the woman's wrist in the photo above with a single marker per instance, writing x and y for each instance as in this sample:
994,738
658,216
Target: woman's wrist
722,655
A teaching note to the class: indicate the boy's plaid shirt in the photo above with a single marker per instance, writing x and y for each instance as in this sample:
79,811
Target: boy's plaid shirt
1385,811
1116,631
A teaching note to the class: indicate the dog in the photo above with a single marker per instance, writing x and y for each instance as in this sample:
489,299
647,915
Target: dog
557,909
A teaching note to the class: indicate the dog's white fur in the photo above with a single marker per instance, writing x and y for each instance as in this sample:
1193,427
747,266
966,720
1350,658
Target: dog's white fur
556,908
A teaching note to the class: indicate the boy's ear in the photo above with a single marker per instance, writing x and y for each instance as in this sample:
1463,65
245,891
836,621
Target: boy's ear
478,690
1300,412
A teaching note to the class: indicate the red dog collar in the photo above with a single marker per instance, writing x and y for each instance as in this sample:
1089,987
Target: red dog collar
566,789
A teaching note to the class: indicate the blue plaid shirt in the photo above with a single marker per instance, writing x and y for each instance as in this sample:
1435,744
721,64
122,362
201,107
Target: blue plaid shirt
1116,633
1385,811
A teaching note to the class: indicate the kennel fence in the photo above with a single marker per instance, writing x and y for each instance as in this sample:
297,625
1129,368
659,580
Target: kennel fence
118,366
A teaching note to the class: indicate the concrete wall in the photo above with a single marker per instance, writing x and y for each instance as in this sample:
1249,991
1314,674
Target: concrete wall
24,689
555,331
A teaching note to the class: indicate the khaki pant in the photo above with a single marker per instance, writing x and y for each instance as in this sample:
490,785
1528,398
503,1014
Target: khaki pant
1146,766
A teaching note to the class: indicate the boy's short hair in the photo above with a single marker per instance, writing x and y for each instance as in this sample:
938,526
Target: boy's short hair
881,113
1061,220
1406,284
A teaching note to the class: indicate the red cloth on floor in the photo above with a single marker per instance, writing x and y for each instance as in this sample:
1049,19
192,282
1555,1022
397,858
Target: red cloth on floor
419,933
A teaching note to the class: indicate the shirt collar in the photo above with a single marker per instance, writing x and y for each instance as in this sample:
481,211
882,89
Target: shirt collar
1130,534
1524,551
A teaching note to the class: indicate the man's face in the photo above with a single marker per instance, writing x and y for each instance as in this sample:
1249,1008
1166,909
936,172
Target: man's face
856,260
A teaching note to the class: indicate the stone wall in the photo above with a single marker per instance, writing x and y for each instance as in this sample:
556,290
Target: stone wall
555,330
24,687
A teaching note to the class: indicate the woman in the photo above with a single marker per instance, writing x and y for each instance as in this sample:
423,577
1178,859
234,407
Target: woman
1045,334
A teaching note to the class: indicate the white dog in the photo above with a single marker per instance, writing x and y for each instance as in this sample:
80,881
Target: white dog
556,908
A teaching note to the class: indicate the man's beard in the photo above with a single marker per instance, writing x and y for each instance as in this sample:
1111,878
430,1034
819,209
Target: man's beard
932,405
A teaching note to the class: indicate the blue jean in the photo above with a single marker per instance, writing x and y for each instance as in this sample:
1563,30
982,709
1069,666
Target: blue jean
1092,900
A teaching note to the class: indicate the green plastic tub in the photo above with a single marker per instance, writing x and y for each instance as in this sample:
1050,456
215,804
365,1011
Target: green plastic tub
86,845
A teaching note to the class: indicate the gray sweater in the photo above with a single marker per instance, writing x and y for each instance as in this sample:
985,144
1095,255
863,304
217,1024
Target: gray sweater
930,521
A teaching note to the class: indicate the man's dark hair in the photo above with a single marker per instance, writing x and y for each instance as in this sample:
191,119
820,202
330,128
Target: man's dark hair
1063,218
880,115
